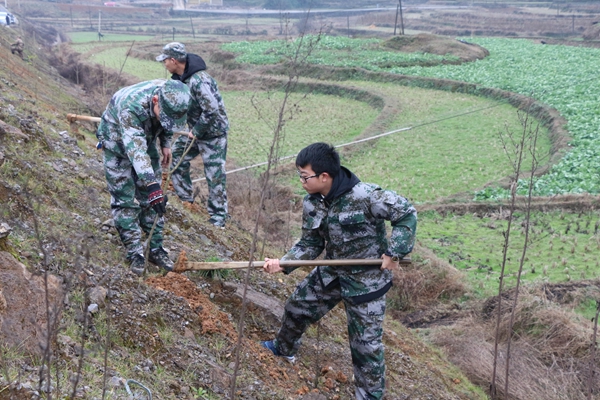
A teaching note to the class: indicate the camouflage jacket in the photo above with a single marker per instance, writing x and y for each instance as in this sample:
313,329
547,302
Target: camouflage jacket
353,226
129,128
18,45
206,116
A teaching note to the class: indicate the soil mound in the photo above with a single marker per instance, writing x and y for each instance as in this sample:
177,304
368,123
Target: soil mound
592,32
440,45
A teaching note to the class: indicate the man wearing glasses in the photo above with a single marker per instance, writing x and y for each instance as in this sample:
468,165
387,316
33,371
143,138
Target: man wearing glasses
346,218
208,121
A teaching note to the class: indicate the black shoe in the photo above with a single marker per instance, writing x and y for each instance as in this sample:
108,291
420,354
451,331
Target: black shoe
219,223
161,258
138,264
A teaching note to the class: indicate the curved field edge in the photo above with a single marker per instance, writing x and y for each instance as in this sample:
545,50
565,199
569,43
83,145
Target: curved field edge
371,158
548,116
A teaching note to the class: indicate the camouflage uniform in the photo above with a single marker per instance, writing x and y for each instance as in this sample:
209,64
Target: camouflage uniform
128,132
208,121
17,47
352,226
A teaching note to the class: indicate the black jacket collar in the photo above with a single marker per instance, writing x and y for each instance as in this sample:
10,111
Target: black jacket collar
193,64
342,184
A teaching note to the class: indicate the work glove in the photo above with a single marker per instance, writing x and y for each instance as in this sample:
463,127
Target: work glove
157,198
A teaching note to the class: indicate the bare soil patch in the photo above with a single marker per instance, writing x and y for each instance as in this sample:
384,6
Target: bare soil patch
440,45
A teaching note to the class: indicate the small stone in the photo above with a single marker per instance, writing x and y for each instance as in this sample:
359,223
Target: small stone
5,230
98,295
205,240
188,333
116,381
93,308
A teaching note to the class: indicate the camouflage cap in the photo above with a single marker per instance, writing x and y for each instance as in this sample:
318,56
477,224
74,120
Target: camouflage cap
173,101
174,50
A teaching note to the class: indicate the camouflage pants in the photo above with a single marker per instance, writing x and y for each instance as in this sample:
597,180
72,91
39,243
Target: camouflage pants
214,153
131,216
310,302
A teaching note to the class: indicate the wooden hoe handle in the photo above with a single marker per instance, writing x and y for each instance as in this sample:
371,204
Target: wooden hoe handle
196,266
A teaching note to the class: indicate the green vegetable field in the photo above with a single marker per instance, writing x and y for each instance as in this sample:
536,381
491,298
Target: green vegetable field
563,77
338,51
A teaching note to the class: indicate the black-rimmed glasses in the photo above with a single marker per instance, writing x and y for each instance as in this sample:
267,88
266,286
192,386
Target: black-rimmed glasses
305,179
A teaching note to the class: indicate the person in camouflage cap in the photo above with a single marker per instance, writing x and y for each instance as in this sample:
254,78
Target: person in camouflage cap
208,121
135,117
346,218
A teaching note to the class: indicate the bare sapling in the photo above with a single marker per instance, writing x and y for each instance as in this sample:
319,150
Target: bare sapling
296,64
529,144
516,147
592,368
76,250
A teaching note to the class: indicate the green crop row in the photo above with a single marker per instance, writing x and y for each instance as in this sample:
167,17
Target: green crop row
328,50
561,246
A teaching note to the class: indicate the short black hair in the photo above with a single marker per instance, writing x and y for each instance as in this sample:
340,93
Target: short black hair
322,157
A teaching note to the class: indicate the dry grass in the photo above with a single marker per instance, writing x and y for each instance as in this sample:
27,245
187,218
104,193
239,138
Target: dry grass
549,351
426,281
282,209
